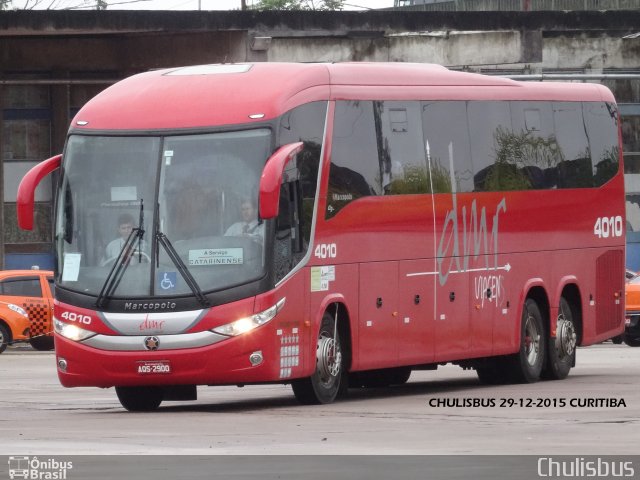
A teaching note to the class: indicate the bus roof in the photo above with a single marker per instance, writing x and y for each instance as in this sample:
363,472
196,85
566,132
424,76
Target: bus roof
229,94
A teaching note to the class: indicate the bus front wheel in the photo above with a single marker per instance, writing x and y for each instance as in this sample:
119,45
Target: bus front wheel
42,343
140,399
328,379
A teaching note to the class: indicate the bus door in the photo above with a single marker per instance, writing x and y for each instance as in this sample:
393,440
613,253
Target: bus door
450,180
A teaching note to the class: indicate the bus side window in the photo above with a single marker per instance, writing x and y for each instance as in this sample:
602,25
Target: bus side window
447,138
355,170
491,138
305,123
285,242
601,120
403,165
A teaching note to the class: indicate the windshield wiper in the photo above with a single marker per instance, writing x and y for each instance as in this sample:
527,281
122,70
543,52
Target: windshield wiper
122,261
161,238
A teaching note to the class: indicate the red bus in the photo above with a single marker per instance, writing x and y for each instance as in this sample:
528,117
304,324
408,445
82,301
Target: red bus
332,225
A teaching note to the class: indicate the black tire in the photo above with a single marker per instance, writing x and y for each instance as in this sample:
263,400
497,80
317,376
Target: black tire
492,375
400,376
561,350
329,379
140,399
43,343
618,339
632,341
526,365
5,338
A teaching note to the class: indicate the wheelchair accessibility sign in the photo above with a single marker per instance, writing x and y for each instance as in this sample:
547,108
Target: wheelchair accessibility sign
167,281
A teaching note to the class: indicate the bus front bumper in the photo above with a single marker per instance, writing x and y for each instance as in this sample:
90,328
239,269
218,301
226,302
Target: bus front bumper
260,356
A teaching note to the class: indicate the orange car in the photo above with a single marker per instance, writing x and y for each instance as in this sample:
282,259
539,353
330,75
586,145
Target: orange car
631,334
14,324
26,291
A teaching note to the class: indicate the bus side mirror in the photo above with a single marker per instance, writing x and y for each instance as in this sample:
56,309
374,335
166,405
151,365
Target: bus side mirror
27,190
269,200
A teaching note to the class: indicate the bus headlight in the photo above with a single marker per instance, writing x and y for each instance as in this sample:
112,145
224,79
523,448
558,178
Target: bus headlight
72,332
247,324
17,309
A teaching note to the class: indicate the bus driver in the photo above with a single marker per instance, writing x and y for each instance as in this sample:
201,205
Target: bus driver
250,226
125,226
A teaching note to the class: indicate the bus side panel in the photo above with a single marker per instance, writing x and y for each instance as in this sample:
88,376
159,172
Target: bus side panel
416,326
378,319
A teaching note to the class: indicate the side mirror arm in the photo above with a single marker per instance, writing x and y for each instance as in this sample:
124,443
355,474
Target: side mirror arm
27,189
269,200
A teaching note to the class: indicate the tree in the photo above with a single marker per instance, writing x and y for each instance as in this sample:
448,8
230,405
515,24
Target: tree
315,5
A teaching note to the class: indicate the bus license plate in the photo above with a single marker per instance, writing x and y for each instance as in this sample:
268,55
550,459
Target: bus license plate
154,368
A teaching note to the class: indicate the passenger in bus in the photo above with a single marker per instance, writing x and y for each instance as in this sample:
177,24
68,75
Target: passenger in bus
125,227
250,226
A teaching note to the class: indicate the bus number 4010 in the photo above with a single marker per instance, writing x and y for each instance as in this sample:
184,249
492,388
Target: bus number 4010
326,250
606,227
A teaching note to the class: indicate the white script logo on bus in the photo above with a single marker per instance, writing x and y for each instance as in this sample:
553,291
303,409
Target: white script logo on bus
453,257
489,288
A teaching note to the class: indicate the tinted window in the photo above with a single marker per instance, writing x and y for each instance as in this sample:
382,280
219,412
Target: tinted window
355,169
601,120
492,144
298,191
402,153
21,286
531,150
447,142
574,169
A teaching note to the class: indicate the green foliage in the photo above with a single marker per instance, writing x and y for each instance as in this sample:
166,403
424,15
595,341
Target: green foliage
415,180
310,5
515,152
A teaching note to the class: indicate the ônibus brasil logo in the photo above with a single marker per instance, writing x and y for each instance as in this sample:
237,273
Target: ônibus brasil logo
36,469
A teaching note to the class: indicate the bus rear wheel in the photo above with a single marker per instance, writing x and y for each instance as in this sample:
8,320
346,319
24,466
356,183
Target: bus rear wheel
328,379
140,399
526,365
561,349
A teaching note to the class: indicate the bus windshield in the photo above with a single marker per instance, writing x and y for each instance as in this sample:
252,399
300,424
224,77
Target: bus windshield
154,216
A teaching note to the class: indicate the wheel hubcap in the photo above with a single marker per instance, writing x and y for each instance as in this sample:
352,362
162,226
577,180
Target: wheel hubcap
531,341
329,359
566,338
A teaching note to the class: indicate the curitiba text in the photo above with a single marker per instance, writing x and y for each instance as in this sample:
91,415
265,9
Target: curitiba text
575,402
